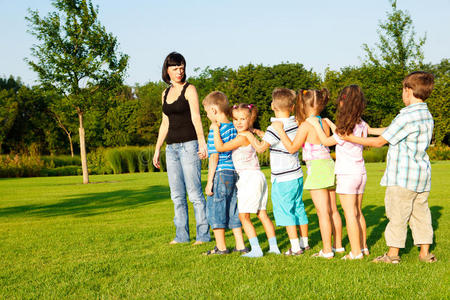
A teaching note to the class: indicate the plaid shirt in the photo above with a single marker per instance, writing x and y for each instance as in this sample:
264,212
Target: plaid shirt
409,136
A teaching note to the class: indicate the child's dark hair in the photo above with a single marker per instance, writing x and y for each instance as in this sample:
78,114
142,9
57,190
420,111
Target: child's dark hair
250,108
421,83
173,59
350,104
311,98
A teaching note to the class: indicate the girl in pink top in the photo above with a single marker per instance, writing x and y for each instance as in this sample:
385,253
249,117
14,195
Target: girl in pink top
349,169
251,185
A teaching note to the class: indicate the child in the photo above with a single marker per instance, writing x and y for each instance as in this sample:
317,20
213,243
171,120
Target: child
252,185
408,172
286,173
320,180
221,207
350,170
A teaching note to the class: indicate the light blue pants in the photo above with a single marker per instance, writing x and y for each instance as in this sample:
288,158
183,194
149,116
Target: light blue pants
183,170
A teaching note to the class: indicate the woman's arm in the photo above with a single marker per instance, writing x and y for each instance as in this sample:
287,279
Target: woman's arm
162,134
299,140
192,97
325,140
235,143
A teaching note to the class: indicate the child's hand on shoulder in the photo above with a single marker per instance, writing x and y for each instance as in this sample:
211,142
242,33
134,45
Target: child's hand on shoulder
214,126
246,133
258,132
313,121
278,126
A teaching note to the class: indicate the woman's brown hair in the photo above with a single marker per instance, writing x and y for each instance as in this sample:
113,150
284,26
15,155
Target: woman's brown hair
310,98
250,108
350,104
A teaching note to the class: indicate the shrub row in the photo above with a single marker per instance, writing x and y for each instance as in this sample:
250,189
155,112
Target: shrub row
139,159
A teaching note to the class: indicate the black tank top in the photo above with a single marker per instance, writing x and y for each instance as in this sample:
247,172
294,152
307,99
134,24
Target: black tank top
181,128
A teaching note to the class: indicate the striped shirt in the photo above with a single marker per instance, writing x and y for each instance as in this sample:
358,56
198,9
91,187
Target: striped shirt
284,165
227,133
409,136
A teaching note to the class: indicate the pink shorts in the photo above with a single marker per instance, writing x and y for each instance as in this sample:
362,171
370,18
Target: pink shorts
350,183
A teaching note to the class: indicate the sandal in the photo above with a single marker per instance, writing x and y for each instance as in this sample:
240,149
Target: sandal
292,253
243,250
338,250
365,251
306,248
430,258
350,256
324,255
216,251
387,259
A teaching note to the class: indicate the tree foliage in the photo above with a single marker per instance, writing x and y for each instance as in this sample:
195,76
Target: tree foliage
76,57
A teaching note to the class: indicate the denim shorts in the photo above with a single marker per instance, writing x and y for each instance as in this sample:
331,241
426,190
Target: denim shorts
221,207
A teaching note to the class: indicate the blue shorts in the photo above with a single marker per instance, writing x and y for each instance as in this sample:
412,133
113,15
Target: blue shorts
221,207
288,207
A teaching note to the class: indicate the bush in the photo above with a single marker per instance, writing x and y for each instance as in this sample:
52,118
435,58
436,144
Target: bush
61,171
97,162
114,160
439,153
52,161
375,154
20,166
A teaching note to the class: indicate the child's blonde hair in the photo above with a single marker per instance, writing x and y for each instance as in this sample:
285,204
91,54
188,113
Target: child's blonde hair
283,99
218,99
311,98
250,108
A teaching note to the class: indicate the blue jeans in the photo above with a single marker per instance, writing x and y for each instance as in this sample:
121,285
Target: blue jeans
183,170
221,208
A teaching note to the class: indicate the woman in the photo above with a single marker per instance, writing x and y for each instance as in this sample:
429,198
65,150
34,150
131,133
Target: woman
181,128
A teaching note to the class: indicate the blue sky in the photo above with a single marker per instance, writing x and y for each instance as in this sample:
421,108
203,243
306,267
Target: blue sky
318,34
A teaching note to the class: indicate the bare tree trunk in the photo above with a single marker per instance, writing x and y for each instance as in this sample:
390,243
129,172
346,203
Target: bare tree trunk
71,144
83,150
68,133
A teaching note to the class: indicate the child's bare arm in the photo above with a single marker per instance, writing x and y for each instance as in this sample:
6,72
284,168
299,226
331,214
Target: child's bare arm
212,165
299,140
370,141
325,140
331,124
228,146
260,146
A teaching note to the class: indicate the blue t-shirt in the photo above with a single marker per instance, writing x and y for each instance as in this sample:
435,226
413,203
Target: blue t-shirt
227,133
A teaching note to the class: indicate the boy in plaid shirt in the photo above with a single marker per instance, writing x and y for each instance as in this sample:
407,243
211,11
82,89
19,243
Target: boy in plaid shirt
408,172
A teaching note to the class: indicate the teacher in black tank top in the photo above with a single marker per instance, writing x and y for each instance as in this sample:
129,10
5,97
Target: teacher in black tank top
181,128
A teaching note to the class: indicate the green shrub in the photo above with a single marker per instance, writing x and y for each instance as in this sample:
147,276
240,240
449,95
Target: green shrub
61,171
375,154
129,159
97,162
439,152
114,159
54,161
20,166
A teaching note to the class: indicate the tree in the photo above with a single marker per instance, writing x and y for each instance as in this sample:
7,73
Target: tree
76,57
8,112
397,47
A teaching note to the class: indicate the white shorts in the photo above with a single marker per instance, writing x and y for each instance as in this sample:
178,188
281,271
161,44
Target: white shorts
251,191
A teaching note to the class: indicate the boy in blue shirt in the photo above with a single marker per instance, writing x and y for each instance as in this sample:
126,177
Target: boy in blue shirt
408,172
221,206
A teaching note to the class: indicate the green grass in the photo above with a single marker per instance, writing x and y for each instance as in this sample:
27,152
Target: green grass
62,239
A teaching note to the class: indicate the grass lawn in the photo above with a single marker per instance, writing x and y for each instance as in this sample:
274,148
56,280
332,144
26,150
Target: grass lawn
62,239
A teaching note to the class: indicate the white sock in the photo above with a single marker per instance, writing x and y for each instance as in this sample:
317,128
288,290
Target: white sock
304,242
295,245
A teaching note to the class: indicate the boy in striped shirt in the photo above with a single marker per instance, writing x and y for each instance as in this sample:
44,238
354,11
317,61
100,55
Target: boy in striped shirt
221,205
286,172
408,172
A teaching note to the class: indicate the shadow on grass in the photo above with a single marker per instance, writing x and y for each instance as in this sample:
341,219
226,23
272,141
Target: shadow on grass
90,204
